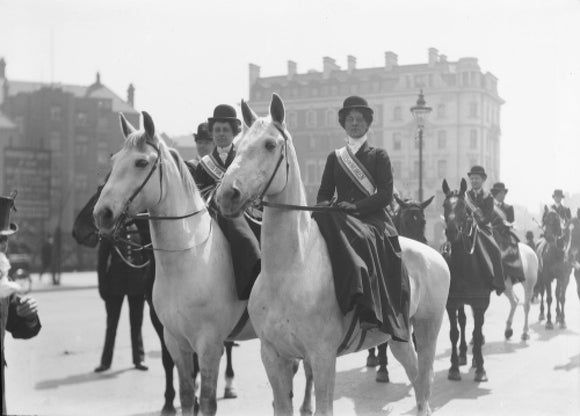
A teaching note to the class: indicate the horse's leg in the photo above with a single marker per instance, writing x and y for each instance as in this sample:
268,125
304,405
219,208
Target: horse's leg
209,364
230,390
280,371
509,293
382,372
406,355
549,324
324,370
529,285
184,361
372,359
453,336
577,276
306,408
478,318
542,292
462,319
168,408
563,286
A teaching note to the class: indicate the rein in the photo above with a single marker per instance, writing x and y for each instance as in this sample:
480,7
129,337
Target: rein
471,236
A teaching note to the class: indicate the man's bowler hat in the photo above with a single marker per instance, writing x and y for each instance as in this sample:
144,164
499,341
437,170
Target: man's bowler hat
558,192
202,133
224,112
477,170
497,188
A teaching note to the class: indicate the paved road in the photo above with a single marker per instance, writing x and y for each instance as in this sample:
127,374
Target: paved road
52,374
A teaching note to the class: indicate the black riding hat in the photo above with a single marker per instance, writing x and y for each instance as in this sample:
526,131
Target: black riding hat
6,206
202,133
497,188
558,192
224,112
477,170
355,102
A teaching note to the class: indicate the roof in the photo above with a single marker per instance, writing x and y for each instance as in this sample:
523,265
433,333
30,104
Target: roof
79,91
5,122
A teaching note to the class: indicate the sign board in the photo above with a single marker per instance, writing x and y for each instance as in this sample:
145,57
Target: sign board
28,171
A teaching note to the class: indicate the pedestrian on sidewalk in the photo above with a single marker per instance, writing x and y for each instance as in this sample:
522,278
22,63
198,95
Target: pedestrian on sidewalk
117,279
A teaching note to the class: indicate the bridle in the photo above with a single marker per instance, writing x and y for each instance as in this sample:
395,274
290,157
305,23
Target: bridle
467,230
125,217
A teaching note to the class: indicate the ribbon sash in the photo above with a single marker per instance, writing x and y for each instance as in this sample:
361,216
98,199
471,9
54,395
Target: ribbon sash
355,170
212,167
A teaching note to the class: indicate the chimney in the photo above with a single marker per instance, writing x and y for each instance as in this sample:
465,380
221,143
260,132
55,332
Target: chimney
390,60
433,54
254,73
2,68
443,59
351,64
131,95
328,65
292,69
98,80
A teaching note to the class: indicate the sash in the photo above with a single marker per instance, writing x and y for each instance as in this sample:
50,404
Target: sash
355,170
212,167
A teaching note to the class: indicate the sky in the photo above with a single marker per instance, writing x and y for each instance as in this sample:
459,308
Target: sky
185,57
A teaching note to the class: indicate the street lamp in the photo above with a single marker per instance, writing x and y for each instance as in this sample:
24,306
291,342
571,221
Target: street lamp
420,114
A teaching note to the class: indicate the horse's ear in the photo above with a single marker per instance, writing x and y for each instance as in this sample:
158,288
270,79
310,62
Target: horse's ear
148,124
248,114
400,201
426,203
463,186
277,109
445,187
126,127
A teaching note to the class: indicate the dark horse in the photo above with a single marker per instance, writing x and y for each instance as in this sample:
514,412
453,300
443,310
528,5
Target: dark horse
553,251
409,218
86,233
575,248
468,285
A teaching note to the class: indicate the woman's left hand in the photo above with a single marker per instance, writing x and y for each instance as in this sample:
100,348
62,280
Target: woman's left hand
26,307
347,206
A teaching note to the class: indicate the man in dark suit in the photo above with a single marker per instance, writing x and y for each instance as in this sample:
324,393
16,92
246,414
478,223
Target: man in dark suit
245,247
116,280
486,248
502,221
203,143
563,211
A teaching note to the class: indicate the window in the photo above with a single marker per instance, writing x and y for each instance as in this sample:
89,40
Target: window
396,141
311,168
442,168
311,118
397,113
473,139
441,139
465,79
103,154
82,119
396,167
291,119
331,118
55,112
473,110
54,143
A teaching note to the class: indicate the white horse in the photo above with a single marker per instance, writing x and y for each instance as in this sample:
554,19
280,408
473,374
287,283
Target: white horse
194,293
293,306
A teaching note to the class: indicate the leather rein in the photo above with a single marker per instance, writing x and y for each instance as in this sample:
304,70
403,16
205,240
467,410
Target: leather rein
470,235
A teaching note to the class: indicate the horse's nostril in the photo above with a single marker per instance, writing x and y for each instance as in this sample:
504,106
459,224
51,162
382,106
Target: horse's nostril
235,192
107,214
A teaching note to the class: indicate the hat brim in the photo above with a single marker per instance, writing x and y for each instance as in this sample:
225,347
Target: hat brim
355,107
198,138
12,230
483,175
212,120
495,191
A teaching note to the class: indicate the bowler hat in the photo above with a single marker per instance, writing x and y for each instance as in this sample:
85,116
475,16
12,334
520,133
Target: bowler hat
6,227
497,188
558,192
202,132
223,112
477,170
354,102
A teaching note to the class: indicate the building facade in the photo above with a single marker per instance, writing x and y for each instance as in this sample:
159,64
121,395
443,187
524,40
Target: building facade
67,134
463,128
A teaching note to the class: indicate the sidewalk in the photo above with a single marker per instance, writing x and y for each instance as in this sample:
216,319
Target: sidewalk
68,281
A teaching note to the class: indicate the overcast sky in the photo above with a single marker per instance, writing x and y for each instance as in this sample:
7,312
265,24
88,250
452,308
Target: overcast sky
185,57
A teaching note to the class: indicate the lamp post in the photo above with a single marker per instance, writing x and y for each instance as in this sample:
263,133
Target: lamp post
420,113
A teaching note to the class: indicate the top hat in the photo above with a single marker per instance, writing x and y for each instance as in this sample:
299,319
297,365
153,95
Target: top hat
558,192
202,132
354,103
6,227
224,112
497,188
477,170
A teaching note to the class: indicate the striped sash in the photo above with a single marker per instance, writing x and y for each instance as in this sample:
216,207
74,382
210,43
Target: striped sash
212,167
355,170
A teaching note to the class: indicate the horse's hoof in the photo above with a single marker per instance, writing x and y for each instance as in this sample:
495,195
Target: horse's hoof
168,410
454,374
306,412
480,376
525,336
230,393
508,333
372,361
541,317
382,376
549,325
462,360
562,324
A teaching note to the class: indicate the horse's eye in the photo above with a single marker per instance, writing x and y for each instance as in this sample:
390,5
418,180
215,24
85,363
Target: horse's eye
270,145
141,163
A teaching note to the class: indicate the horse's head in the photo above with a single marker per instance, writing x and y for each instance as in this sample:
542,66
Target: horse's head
551,224
134,184
457,217
411,218
260,167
